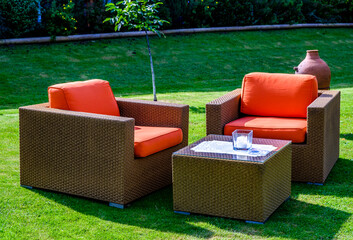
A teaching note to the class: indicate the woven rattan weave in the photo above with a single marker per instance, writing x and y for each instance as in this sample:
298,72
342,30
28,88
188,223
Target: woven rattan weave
222,185
313,160
92,155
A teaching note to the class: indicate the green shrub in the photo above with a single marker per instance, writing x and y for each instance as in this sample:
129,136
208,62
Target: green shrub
59,19
199,13
17,17
203,13
317,11
173,10
90,16
333,10
255,12
277,12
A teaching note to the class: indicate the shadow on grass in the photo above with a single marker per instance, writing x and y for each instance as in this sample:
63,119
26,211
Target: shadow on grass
151,212
301,220
338,183
292,220
347,136
197,109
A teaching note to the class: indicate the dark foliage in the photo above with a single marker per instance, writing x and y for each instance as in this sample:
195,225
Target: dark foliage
18,18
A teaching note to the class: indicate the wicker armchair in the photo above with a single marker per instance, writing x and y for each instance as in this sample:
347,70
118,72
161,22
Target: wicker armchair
92,155
313,160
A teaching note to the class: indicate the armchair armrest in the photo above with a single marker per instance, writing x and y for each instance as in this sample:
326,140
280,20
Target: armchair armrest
74,152
324,117
158,114
221,111
324,127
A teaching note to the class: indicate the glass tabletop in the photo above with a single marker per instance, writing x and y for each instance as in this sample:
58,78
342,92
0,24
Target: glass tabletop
279,144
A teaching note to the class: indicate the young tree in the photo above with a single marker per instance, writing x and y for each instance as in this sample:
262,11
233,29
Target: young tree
140,15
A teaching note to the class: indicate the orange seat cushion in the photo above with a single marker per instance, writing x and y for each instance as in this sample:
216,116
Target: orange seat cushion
277,94
293,129
93,96
149,140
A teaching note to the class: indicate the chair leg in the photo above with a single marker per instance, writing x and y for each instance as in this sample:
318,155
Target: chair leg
317,184
254,222
116,205
183,213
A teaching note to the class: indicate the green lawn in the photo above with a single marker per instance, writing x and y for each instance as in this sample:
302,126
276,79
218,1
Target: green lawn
190,69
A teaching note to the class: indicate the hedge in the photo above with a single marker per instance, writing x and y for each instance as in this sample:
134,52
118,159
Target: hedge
18,18
21,18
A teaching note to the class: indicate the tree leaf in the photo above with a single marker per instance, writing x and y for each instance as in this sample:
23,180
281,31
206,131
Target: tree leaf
106,20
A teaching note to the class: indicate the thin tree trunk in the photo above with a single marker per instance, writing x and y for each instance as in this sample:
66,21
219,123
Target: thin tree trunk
152,70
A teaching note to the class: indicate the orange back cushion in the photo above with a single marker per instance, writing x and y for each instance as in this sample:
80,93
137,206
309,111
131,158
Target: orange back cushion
277,94
93,96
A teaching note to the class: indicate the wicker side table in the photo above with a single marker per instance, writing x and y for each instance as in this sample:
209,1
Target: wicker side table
247,188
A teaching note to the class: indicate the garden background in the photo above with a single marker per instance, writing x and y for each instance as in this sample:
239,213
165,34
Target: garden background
29,18
190,69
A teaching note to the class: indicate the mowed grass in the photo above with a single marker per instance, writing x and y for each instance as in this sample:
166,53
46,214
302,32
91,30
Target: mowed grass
190,69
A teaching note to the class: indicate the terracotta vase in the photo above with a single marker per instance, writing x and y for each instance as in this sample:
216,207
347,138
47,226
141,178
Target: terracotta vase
314,65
